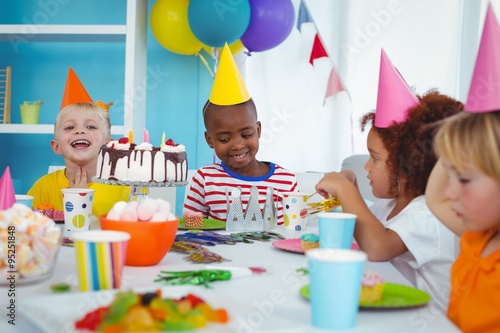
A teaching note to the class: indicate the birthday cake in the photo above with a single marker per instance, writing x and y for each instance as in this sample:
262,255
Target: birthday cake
121,160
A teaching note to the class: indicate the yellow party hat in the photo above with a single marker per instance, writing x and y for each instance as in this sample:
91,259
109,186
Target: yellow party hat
228,87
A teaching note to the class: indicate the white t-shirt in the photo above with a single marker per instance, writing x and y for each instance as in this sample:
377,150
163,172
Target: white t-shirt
431,247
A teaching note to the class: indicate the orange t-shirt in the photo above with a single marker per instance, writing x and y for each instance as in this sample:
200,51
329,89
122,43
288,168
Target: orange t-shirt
475,285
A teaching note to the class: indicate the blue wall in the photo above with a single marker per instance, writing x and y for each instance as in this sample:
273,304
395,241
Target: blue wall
177,88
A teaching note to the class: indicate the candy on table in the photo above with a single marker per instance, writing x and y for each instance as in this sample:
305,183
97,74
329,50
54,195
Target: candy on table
309,241
46,209
149,312
193,219
147,210
36,238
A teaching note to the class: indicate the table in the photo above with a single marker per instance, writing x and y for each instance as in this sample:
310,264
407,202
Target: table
262,303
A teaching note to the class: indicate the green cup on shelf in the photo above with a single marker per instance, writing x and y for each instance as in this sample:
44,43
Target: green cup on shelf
30,112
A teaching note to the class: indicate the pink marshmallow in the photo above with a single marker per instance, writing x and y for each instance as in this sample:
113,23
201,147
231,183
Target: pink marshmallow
131,205
146,209
129,215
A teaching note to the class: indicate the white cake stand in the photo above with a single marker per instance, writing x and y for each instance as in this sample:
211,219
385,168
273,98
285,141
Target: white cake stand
138,190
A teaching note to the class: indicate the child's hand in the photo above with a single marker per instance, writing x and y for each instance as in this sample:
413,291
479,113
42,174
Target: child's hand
350,175
332,184
80,180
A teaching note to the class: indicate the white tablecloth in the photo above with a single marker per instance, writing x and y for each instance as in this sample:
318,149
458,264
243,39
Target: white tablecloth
270,302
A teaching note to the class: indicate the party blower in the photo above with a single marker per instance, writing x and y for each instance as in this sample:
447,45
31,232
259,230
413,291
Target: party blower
207,275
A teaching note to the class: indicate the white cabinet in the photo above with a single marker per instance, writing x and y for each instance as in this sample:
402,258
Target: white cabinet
133,34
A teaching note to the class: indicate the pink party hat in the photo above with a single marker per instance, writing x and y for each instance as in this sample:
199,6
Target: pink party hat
394,96
484,91
7,194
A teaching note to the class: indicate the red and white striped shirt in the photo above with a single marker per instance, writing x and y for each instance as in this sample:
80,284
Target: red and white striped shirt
207,193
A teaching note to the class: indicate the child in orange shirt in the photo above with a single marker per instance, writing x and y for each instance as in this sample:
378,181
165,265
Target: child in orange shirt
463,191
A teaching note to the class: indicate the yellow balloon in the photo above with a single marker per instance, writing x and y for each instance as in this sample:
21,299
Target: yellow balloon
170,26
235,48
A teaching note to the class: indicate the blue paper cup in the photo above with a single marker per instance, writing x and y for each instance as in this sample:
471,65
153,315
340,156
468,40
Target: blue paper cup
335,285
26,200
336,230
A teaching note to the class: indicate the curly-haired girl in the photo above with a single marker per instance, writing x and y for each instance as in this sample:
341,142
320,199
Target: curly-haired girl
399,227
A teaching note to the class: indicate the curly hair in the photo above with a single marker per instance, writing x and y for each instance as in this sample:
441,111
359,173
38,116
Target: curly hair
410,144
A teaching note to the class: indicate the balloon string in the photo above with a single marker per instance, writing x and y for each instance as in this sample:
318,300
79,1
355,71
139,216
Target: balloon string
204,61
215,57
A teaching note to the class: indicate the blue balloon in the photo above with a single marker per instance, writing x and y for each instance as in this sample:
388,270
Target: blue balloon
217,22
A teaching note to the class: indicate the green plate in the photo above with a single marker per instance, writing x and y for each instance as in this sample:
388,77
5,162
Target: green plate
393,296
208,224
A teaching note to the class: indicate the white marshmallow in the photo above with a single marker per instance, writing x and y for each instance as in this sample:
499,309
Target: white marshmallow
163,206
159,217
119,206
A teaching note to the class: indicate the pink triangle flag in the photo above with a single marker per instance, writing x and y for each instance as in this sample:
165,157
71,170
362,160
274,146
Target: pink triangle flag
334,85
394,96
484,91
7,194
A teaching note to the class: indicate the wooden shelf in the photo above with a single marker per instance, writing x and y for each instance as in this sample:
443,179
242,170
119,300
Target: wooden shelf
62,33
42,129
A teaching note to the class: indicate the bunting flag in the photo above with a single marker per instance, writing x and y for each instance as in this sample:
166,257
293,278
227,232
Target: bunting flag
334,85
318,50
304,16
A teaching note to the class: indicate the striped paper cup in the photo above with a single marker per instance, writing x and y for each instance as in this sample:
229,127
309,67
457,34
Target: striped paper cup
100,256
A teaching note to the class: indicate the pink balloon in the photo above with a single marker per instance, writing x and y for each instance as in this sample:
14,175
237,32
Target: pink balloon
271,21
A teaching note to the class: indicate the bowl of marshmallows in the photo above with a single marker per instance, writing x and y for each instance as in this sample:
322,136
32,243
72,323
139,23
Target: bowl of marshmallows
151,225
29,243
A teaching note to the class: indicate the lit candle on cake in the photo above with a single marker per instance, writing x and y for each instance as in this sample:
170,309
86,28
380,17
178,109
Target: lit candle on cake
146,135
130,136
163,139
